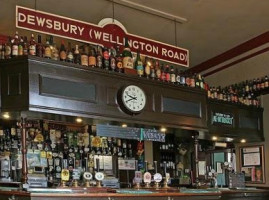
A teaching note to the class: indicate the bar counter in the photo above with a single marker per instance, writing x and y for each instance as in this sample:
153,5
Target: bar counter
131,194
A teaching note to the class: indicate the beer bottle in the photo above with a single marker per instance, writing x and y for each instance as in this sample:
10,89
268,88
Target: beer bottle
84,57
32,46
39,47
76,55
15,45
47,52
112,59
92,57
119,65
70,55
62,52
99,58
105,58
127,56
139,65
172,75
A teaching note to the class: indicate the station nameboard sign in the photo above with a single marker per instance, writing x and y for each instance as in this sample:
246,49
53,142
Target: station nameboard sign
107,34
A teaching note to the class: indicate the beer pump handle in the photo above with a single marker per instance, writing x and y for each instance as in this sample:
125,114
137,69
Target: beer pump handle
155,166
146,166
164,168
97,164
136,165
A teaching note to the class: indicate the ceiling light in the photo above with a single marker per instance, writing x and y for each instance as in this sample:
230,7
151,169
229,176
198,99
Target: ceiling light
124,125
243,141
6,116
78,120
214,138
163,129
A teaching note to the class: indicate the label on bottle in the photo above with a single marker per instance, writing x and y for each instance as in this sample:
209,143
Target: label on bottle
119,64
112,63
1,132
32,50
147,70
127,62
20,50
266,84
48,52
173,78
15,50
106,55
84,60
7,50
158,73
168,78
63,55
70,57
192,82
99,62
92,61
140,68
182,80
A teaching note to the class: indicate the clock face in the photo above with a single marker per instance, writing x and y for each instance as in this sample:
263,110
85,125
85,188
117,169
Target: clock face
133,98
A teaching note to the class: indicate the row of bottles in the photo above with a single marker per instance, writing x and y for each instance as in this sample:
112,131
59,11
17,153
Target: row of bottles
235,95
100,57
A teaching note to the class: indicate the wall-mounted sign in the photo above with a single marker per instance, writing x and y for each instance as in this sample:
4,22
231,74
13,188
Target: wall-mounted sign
106,34
129,133
222,118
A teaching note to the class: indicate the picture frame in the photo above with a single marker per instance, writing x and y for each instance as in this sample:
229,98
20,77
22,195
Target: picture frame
252,164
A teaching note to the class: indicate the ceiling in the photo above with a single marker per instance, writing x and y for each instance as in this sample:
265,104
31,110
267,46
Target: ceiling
212,27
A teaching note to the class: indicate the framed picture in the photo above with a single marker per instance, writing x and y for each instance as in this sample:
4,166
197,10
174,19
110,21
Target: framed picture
252,164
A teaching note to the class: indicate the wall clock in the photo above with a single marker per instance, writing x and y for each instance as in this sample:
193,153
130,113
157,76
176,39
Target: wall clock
132,99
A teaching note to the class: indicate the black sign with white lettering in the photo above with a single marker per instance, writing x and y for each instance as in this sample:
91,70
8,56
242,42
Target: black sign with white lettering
130,133
222,118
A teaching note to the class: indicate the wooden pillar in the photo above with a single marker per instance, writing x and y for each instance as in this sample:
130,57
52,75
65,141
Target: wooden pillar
24,150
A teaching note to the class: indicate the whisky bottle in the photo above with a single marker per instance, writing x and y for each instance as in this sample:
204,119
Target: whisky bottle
158,70
84,56
62,52
152,72
47,52
2,52
99,58
20,47
119,65
172,75
167,73
147,68
32,46
25,46
127,56
76,55
39,47
163,73
70,55
8,49
15,45
139,65
105,58
112,59
92,57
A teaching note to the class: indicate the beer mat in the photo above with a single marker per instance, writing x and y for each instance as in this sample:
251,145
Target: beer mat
134,191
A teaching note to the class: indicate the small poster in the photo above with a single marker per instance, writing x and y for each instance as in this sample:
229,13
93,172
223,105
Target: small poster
252,159
125,164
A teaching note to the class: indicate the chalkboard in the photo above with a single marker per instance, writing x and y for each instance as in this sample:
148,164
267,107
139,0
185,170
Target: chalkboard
129,133
118,132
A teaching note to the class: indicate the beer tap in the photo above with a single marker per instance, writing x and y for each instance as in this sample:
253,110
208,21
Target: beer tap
99,176
138,176
147,176
157,177
166,177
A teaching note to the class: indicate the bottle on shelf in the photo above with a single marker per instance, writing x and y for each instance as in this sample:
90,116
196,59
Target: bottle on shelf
119,65
99,57
172,75
84,57
32,46
39,47
127,60
8,49
92,57
139,65
112,58
106,58
15,45
70,55
63,53
47,51
76,55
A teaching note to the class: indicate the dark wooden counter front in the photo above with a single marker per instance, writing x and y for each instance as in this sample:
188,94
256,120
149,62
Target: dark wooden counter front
161,195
